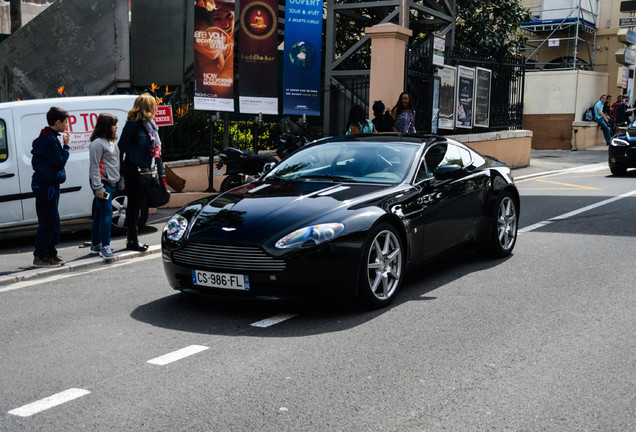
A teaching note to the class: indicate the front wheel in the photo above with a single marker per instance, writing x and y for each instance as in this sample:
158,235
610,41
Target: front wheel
382,266
504,226
231,181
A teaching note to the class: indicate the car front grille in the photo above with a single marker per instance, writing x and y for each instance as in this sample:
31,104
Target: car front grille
223,257
631,153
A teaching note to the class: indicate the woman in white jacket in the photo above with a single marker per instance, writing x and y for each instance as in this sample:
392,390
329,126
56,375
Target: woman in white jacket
104,177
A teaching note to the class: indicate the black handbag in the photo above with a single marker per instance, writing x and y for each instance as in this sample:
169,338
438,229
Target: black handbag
157,193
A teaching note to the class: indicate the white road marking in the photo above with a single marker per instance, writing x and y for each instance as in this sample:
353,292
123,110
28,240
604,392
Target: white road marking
576,212
273,320
178,355
49,402
38,281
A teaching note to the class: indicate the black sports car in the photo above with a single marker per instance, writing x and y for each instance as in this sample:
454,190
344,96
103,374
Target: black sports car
343,216
622,151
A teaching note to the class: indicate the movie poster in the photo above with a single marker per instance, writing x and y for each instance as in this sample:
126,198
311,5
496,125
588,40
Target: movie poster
446,115
465,97
302,60
482,97
214,55
258,51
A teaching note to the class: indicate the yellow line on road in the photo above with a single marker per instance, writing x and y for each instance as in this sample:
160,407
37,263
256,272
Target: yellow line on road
571,186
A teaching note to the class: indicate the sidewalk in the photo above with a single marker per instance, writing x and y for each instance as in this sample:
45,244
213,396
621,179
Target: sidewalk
16,255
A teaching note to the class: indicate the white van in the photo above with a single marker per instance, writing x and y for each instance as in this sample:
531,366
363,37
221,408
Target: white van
20,123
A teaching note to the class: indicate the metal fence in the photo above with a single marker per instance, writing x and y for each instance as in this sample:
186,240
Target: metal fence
507,84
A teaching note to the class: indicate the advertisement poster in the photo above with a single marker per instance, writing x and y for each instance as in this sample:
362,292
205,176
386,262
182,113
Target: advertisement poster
258,51
214,55
482,97
302,59
448,79
435,116
465,97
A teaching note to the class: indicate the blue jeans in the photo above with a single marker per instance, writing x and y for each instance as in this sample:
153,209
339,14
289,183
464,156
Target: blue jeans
47,198
606,130
102,218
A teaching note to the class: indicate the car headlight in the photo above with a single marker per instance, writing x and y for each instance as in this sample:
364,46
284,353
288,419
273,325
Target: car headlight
619,142
311,236
176,227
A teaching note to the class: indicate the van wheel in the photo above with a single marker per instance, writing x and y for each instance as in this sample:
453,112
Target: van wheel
120,205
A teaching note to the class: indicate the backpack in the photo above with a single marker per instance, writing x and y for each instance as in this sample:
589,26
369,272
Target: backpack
589,114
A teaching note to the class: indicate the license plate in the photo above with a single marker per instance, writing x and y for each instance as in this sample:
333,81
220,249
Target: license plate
221,280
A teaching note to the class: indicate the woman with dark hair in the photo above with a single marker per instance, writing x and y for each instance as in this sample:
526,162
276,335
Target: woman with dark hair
403,114
104,177
139,145
358,122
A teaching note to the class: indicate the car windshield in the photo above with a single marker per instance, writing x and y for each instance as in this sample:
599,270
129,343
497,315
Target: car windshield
348,161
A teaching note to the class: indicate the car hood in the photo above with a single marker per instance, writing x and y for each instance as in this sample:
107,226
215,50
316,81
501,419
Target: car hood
259,211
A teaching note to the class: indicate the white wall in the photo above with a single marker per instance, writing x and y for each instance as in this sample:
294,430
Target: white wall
563,92
29,11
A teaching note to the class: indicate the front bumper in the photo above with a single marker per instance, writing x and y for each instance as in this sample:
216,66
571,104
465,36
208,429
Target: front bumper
326,270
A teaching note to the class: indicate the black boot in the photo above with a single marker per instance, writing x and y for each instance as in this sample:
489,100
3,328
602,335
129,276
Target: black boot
135,245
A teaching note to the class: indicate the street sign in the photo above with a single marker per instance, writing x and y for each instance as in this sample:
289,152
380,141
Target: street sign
627,22
163,116
628,6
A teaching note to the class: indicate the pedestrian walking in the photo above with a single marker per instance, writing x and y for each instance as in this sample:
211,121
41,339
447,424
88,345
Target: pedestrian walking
104,173
48,162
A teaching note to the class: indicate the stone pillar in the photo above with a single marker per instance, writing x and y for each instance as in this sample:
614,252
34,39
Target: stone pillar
388,50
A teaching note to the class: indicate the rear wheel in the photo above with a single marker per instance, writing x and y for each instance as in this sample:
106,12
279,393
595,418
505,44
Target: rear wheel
503,235
230,182
382,266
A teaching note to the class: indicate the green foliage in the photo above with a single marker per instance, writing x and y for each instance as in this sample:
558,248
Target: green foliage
490,27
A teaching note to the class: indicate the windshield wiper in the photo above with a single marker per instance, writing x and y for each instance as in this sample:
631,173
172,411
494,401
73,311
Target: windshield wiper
327,177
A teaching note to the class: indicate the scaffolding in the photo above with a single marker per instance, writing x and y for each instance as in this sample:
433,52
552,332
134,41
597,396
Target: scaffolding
561,35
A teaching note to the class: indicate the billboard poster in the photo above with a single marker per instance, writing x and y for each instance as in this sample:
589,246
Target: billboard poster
258,52
302,59
446,115
482,97
214,55
435,116
465,97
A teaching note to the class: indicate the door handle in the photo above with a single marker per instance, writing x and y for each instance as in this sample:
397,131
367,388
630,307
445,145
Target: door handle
6,175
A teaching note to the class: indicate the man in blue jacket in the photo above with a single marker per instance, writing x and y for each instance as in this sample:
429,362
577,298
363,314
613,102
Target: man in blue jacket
48,161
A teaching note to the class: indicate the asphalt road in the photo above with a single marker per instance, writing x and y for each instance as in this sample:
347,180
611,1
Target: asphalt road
543,340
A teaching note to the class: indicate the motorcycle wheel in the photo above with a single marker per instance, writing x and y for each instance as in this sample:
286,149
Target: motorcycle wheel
231,181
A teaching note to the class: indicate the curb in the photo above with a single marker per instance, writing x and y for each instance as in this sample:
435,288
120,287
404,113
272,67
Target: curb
73,265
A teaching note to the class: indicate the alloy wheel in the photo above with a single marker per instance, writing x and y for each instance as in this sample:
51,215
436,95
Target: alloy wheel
507,223
384,265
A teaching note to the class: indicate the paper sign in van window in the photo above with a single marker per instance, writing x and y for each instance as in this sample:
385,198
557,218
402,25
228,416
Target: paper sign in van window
4,150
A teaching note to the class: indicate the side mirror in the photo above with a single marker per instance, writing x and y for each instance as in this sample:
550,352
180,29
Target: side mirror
448,172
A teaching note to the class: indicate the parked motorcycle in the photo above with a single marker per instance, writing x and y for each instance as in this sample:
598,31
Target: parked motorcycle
241,166
244,166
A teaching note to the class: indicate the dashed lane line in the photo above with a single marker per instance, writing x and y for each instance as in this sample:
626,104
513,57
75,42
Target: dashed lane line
49,402
178,355
273,320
